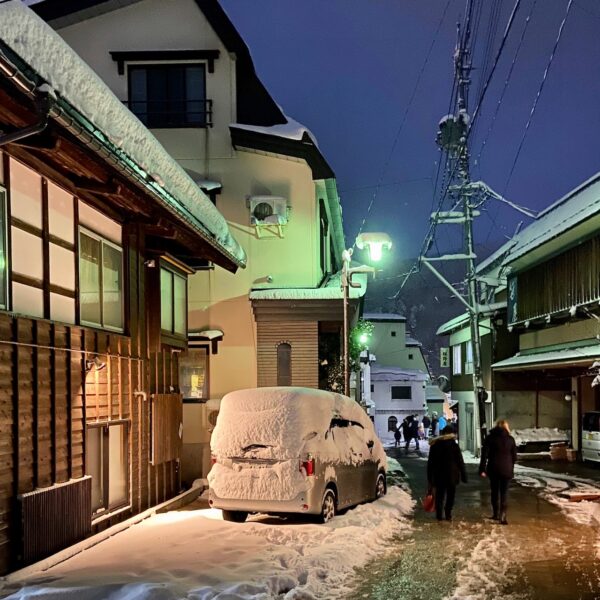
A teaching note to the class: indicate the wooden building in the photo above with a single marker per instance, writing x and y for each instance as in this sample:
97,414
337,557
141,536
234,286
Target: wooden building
94,260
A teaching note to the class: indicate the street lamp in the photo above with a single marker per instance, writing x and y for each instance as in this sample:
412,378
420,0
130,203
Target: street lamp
375,243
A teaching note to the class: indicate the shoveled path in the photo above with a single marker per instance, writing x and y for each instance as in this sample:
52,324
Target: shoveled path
540,554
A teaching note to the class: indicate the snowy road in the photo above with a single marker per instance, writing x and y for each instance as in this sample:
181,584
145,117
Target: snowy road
194,555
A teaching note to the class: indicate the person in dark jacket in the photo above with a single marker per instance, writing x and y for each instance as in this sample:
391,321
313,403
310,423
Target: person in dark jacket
426,425
445,469
397,437
411,432
498,458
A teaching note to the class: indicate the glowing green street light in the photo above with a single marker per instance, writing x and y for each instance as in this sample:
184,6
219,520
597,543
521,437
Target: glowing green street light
375,243
363,338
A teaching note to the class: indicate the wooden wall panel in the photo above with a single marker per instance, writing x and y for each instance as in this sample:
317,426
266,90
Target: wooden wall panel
304,340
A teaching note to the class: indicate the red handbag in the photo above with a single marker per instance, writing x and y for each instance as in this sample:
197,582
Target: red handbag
428,502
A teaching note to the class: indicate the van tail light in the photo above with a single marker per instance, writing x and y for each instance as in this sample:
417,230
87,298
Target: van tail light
308,466
213,459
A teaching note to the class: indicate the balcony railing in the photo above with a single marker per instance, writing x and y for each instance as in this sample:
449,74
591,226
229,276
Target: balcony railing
157,114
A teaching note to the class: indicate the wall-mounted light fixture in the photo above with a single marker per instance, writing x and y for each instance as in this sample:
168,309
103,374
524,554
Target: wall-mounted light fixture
90,363
569,396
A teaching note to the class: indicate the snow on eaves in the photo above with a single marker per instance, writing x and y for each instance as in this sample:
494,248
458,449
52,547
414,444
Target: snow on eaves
53,60
381,373
384,317
331,291
292,130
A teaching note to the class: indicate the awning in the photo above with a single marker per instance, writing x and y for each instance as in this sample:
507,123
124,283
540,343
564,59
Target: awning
582,353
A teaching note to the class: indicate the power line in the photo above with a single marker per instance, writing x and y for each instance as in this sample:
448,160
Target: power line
390,184
408,107
539,93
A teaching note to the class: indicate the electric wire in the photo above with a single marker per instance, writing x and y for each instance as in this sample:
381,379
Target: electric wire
538,95
404,117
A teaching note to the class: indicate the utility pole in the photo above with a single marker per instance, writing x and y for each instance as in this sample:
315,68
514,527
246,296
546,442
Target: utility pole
453,139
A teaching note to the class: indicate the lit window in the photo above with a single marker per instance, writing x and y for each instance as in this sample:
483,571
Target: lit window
456,360
100,282
469,358
169,95
173,302
193,374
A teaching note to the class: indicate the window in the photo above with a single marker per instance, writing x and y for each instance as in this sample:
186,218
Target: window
393,333
100,282
106,461
324,237
372,388
401,392
193,374
3,254
392,424
456,360
469,358
284,364
169,95
173,302
411,356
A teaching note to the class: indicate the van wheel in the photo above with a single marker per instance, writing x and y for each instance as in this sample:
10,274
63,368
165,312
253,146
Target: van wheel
328,506
380,488
237,516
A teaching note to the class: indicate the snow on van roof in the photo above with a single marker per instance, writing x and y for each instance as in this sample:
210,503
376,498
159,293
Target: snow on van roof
280,418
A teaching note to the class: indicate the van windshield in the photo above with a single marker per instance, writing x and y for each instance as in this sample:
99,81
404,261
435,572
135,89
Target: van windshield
591,421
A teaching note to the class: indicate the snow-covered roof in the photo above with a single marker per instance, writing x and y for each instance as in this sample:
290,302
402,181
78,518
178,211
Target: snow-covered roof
384,317
330,291
292,130
75,82
433,392
412,342
485,310
572,209
207,334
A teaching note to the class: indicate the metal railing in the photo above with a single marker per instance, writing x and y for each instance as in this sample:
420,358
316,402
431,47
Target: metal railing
172,113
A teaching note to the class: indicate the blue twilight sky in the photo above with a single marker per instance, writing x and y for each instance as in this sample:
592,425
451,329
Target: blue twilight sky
347,69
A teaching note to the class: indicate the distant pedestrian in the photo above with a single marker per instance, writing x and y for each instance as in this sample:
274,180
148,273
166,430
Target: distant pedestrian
498,458
421,431
435,429
426,425
445,469
411,432
397,437
442,423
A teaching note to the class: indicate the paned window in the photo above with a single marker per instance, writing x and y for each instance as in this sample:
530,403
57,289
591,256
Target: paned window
284,364
100,282
107,463
469,358
401,392
173,302
456,360
168,95
193,374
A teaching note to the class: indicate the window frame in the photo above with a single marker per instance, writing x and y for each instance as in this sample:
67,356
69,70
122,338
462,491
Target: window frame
206,120
457,359
105,464
175,272
401,387
98,237
289,375
469,363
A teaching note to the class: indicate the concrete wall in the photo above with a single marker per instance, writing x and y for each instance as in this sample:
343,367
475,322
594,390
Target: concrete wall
519,407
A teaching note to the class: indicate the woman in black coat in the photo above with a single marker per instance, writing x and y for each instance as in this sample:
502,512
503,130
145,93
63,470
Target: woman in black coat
445,468
498,458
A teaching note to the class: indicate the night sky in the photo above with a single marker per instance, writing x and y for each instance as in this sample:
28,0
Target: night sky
348,68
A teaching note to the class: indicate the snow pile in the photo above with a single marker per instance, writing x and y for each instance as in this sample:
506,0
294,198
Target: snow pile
292,130
542,434
262,434
47,53
194,555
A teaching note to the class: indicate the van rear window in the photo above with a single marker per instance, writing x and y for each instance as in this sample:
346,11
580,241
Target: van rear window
591,421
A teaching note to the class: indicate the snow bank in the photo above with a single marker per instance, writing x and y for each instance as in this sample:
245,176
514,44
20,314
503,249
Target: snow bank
194,555
292,130
542,434
47,53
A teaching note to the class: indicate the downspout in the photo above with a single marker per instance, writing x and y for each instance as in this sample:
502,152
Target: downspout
43,105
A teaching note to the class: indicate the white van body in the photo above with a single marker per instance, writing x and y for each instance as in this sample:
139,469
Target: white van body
285,449
590,436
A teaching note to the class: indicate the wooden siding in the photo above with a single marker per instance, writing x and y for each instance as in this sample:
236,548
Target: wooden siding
303,337
167,423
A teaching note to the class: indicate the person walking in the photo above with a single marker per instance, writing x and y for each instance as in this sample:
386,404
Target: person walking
445,469
498,458
426,426
397,437
435,430
413,431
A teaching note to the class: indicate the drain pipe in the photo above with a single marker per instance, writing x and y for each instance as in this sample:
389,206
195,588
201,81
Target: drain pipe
43,105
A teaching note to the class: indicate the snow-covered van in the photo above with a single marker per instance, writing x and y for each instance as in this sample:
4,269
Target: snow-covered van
293,450
590,436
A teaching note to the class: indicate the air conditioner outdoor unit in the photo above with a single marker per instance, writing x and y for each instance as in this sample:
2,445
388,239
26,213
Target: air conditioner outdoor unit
268,211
